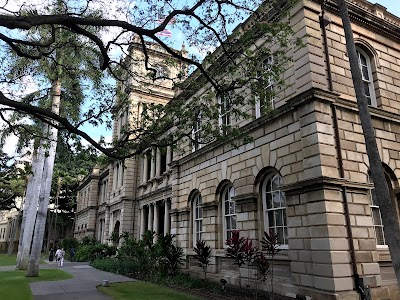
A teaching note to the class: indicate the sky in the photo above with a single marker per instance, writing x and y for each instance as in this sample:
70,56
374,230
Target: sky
393,6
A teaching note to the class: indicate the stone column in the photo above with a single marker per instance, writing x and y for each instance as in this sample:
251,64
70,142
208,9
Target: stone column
145,168
155,221
153,164
150,217
158,160
107,223
142,222
166,217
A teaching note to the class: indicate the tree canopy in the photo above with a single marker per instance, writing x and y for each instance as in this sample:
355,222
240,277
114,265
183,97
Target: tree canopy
205,26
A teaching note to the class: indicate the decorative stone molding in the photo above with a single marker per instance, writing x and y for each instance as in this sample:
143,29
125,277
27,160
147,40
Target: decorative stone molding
210,205
245,198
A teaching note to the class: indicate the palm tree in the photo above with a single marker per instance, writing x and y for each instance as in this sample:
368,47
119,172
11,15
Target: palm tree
69,65
389,220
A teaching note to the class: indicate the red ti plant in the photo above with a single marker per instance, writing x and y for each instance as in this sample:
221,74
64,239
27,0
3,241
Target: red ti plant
203,255
236,250
271,246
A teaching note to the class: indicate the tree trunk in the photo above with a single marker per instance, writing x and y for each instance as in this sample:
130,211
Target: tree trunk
389,220
51,222
14,233
31,203
33,267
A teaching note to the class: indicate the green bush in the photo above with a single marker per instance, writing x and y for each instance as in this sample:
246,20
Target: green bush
69,243
140,259
91,252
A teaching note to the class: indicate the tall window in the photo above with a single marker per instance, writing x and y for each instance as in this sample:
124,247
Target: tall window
366,72
274,207
376,217
197,219
228,212
266,99
163,160
196,133
225,108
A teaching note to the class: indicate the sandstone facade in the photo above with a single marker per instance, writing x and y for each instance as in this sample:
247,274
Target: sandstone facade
306,161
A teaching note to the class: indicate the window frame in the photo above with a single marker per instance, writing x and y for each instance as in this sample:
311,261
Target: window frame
197,214
265,210
370,80
196,133
266,66
226,196
374,206
225,109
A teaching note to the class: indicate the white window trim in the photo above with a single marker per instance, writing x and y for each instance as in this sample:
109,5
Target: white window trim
371,79
229,189
196,129
196,209
266,210
375,206
266,66
226,113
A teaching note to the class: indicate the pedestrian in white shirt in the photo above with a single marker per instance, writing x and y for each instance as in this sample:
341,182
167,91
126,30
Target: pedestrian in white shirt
60,253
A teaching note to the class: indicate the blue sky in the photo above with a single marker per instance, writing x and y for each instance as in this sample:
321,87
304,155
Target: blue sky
393,6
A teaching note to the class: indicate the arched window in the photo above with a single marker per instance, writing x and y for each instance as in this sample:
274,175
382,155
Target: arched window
228,212
274,207
364,62
197,218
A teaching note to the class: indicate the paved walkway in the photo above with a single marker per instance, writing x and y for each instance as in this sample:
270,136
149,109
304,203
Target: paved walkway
82,286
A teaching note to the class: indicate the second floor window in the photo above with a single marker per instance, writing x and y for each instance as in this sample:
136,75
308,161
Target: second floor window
225,109
266,88
366,72
196,133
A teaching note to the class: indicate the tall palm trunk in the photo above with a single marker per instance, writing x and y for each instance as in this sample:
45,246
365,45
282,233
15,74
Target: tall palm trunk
30,208
15,229
33,267
390,222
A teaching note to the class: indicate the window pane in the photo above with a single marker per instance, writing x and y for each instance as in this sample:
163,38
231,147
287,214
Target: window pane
228,223
233,222
376,216
363,60
278,217
268,200
380,240
364,70
366,88
279,231
271,219
276,200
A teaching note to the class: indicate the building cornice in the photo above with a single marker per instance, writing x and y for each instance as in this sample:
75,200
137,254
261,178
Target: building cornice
364,14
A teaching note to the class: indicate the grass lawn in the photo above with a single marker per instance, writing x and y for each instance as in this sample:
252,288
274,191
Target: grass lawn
15,286
140,290
10,260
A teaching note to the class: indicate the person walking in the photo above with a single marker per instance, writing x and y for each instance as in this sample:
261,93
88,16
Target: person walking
51,254
62,254
72,253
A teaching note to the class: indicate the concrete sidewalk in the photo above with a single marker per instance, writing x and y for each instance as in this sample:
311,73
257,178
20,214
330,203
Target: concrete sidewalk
82,286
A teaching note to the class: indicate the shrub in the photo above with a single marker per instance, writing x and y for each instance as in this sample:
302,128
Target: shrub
69,243
92,251
203,255
168,256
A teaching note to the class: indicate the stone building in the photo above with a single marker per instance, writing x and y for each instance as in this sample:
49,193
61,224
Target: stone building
305,162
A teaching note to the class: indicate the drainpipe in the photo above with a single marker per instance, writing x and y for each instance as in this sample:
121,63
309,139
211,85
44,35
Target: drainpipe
324,21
